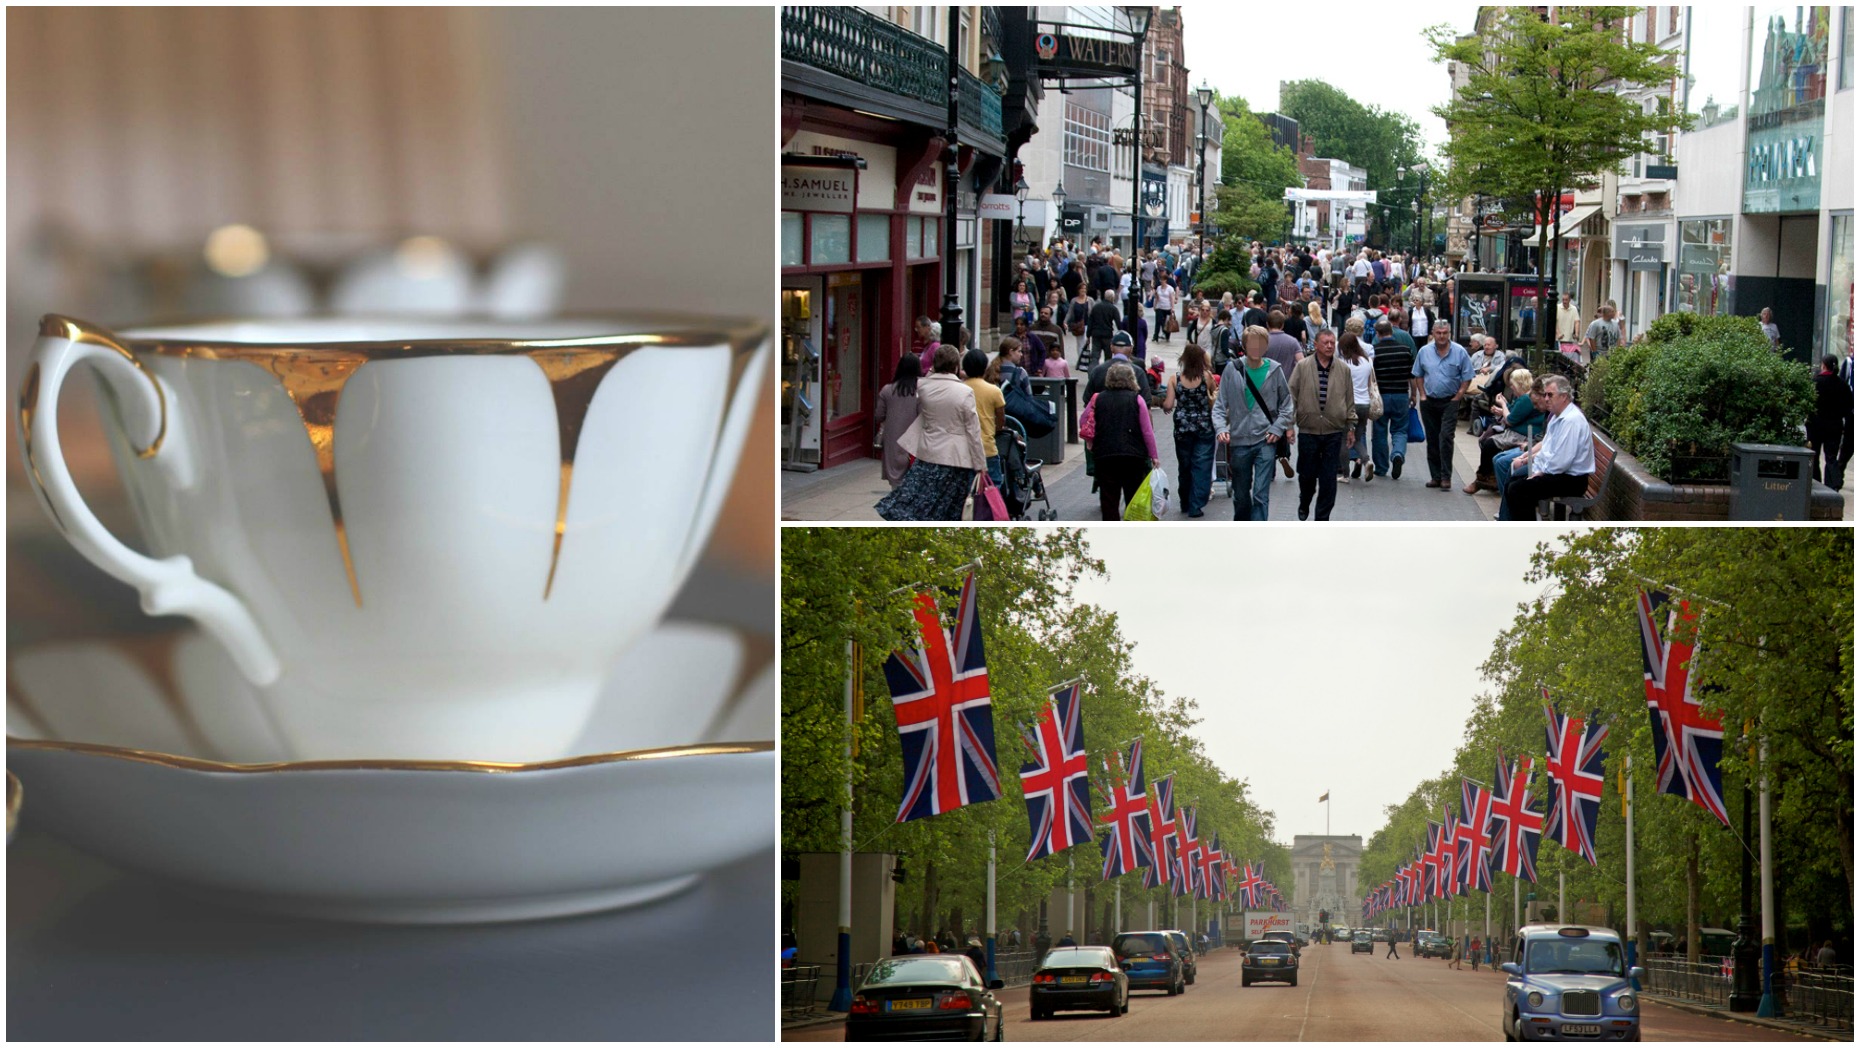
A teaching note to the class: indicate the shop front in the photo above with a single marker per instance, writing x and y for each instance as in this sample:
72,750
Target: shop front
860,245
1640,247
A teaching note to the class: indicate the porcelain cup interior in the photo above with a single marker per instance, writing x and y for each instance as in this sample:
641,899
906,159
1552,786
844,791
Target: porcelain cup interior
445,532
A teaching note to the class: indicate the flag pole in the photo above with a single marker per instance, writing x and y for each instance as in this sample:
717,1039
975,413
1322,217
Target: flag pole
1071,928
1633,935
842,977
991,905
1117,906
1766,1008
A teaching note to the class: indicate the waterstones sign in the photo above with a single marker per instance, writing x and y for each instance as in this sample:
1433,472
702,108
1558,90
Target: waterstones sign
1062,51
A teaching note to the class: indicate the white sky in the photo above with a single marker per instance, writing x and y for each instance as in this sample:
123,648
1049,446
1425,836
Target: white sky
1372,52
1322,657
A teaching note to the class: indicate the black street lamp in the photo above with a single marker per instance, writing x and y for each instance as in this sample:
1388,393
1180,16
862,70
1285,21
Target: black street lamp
952,306
1133,302
1020,195
1420,197
1205,95
1059,208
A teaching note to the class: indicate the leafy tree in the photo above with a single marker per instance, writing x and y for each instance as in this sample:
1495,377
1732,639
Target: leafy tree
1255,172
1377,140
841,584
1541,110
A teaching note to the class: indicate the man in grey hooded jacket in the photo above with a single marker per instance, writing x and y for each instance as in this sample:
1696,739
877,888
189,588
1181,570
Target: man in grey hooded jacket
1251,425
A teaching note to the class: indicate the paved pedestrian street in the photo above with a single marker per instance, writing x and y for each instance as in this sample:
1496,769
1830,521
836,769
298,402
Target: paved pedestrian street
1340,996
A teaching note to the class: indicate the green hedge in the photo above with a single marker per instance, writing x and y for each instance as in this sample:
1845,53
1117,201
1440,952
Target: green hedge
1215,284
1698,384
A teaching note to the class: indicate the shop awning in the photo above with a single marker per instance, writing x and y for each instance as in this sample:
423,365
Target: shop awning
1569,226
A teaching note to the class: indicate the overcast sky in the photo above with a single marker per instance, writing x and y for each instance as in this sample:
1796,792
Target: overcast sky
1322,658
1372,52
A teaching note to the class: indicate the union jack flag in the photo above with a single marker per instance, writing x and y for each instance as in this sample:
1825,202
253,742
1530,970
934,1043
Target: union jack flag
1515,826
1430,863
1574,772
1250,890
1213,868
1188,856
1161,868
1057,785
946,725
1126,844
1686,743
1475,841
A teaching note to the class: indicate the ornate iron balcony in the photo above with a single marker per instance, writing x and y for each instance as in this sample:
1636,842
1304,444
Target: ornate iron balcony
869,50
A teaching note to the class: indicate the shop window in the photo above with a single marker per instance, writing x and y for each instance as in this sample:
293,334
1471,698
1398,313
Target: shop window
791,239
1703,276
1847,48
874,238
1840,333
830,240
1788,57
913,238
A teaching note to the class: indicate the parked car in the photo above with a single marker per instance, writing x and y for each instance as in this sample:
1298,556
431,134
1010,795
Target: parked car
926,997
1380,935
1362,942
1180,939
1430,943
1079,977
1569,982
1151,961
1269,959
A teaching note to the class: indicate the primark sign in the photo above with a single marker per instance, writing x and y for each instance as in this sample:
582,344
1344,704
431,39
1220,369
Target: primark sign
1782,169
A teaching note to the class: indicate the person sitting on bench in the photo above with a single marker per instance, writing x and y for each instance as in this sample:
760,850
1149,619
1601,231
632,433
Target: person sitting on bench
1560,464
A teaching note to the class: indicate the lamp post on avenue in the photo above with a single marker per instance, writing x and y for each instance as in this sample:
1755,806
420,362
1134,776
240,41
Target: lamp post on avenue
1059,208
1205,95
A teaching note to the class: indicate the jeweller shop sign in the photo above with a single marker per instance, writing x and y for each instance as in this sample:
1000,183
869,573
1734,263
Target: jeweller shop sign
805,188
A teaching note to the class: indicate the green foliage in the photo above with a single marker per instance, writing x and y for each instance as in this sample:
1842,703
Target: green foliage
1254,174
841,584
1543,108
1778,657
1374,139
1697,385
1214,285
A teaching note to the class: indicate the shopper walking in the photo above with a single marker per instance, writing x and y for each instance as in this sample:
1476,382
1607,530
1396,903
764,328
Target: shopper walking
896,411
1252,417
1116,427
1442,372
1190,401
1324,410
1362,373
946,441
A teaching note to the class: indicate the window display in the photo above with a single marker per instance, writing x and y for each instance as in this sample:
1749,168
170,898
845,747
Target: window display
1704,272
1839,337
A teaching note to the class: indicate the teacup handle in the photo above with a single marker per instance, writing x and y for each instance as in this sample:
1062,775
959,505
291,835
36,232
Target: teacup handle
168,586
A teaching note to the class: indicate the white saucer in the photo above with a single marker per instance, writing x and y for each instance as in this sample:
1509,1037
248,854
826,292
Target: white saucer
150,753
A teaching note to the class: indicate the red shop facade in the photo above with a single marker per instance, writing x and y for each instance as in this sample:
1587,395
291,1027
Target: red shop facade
861,254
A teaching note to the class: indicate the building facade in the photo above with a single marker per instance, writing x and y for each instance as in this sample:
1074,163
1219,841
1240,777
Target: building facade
863,204
1324,878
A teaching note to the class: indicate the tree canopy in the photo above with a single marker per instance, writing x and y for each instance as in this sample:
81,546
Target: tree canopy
1775,652
1377,140
857,583
1255,172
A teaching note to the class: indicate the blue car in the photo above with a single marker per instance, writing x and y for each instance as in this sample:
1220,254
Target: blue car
1151,960
1569,982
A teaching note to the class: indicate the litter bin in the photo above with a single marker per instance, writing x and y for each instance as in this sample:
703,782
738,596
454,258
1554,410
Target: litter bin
1770,482
1050,449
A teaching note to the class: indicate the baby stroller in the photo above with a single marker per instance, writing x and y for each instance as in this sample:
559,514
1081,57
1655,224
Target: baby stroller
1021,482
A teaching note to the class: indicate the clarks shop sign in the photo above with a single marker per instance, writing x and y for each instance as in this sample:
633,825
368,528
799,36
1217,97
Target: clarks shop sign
1079,51
807,188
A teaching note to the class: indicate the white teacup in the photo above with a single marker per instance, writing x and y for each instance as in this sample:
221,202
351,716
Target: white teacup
422,540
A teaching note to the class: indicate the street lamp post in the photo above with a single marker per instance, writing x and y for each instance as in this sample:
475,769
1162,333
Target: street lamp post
1205,95
1020,195
1059,208
952,305
1133,302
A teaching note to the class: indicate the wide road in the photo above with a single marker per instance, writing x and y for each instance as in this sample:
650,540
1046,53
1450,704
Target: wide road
1339,997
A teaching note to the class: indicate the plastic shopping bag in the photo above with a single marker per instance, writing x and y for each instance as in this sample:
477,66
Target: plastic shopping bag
1159,493
1141,507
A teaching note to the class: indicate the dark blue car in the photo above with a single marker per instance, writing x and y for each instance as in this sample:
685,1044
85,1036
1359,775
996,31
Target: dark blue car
1151,960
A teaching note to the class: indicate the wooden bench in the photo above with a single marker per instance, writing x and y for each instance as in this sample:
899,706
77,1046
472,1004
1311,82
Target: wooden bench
1566,507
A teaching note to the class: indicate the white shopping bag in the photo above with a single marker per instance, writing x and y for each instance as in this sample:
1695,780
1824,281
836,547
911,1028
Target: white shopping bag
1159,493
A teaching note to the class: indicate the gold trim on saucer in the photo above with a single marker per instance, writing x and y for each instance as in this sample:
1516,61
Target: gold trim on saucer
15,796
196,764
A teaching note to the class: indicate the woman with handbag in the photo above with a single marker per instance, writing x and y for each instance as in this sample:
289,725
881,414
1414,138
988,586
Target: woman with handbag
1022,300
894,414
1077,310
1361,362
1116,428
1517,421
946,443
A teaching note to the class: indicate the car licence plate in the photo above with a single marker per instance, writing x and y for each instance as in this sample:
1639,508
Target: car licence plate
1582,1030
908,1004
1269,960
1074,980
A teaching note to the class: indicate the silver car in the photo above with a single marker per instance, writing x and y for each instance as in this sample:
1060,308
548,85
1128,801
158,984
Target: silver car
1569,982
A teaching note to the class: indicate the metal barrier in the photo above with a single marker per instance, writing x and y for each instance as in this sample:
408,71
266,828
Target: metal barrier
1705,981
1016,969
1821,996
799,984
